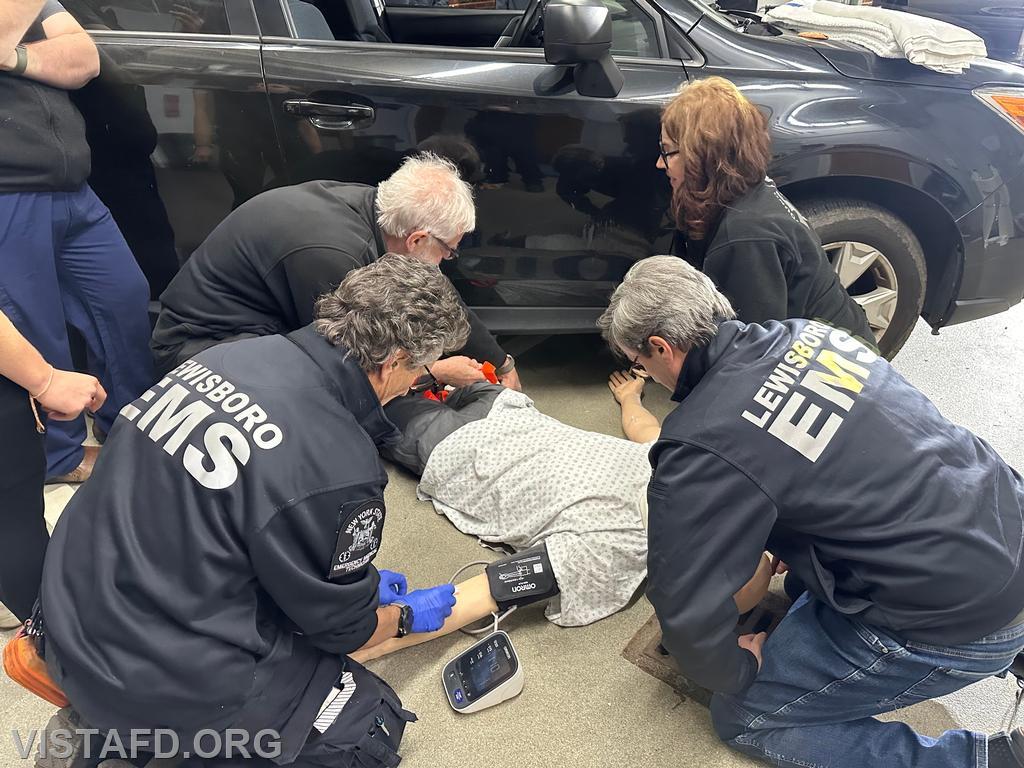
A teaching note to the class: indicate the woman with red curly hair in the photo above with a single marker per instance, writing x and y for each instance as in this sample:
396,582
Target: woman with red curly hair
734,224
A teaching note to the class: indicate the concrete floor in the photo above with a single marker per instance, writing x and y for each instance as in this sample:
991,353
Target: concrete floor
584,705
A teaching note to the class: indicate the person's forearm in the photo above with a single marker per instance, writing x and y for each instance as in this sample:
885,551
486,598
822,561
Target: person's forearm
387,627
473,601
67,61
481,344
639,424
753,591
20,361
16,16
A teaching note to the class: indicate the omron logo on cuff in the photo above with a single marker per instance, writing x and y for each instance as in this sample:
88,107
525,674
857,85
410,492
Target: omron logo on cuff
523,578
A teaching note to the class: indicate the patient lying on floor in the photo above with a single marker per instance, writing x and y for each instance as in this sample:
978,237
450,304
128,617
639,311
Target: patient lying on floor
504,472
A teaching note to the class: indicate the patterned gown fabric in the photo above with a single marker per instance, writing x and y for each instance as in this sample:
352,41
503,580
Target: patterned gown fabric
521,477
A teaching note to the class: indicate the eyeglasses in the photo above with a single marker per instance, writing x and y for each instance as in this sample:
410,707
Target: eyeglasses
666,155
636,367
423,383
450,253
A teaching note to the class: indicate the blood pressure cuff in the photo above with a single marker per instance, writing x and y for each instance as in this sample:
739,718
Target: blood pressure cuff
425,423
523,578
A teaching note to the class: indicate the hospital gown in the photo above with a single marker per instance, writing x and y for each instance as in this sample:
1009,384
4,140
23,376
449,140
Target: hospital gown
521,477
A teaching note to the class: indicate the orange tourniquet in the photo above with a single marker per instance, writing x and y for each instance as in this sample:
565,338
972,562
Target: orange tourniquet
25,667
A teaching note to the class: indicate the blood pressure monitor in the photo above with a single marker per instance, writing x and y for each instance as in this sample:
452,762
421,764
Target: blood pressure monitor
487,674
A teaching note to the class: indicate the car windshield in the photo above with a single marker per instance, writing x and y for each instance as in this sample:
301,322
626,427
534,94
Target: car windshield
742,21
722,16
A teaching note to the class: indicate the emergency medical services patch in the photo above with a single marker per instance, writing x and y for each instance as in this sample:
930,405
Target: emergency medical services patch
362,524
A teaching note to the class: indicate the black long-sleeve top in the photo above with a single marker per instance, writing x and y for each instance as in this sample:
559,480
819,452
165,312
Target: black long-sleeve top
261,270
764,256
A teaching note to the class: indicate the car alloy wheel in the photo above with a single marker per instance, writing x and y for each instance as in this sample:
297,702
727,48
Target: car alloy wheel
878,260
870,278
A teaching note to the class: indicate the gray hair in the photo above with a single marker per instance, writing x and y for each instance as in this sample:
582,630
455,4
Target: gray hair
664,296
428,194
395,303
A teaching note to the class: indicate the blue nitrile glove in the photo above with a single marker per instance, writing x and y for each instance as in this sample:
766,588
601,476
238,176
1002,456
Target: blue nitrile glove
392,586
430,607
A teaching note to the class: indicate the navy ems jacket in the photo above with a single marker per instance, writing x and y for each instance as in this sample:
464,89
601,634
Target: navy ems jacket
794,437
216,567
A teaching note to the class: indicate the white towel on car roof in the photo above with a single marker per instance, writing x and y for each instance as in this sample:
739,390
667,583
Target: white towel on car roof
928,42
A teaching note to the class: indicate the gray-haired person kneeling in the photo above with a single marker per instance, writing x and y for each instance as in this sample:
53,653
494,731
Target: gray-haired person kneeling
216,571
905,528
260,271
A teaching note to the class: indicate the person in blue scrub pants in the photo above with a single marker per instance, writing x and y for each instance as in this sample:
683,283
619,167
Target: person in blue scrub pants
64,261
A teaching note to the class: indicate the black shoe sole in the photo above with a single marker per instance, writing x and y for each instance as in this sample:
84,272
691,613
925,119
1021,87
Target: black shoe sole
64,753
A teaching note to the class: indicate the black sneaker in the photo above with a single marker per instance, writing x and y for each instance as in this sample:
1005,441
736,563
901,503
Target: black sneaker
1017,669
1006,750
62,743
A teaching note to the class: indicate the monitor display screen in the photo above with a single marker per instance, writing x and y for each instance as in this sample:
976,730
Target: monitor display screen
486,666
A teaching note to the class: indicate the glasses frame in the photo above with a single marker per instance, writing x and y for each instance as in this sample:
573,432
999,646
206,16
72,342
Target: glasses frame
666,155
450,253
636,368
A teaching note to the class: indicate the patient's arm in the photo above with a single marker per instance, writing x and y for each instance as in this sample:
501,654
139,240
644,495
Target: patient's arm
387,626
753,591
473,602
639,424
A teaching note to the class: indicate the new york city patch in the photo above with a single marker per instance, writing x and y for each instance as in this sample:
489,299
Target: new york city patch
359,536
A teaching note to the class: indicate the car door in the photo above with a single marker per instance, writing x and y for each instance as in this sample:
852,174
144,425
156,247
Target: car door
568,196
178,120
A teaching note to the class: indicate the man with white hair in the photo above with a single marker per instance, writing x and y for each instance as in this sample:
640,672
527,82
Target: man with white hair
260,271
905,528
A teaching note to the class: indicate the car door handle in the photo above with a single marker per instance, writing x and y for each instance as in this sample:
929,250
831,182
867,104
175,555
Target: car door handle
330,117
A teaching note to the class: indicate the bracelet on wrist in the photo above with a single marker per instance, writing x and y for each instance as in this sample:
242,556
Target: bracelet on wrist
49,381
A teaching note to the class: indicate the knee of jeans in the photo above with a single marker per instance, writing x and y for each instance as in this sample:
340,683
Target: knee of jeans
728,718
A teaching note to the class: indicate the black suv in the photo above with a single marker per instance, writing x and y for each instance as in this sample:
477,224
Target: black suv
911,178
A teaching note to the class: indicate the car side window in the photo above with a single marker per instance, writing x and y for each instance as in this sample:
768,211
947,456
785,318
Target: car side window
488,5
633,31
208,17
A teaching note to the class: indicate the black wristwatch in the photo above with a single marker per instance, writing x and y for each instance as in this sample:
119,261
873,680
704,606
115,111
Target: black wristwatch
404,619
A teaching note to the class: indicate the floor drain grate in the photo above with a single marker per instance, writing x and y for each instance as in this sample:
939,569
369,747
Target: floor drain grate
646,652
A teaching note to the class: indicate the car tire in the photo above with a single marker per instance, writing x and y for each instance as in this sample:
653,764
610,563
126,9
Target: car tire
886,257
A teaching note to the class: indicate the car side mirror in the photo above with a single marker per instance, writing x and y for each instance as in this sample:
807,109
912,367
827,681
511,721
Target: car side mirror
578,33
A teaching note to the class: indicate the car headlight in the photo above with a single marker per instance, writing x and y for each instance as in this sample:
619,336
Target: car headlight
1007,102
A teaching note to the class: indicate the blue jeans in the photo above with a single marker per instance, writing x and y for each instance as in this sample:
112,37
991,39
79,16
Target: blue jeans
825,676
64,262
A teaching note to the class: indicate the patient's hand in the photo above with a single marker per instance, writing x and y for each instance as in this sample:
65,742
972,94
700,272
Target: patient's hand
459,371
626,386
